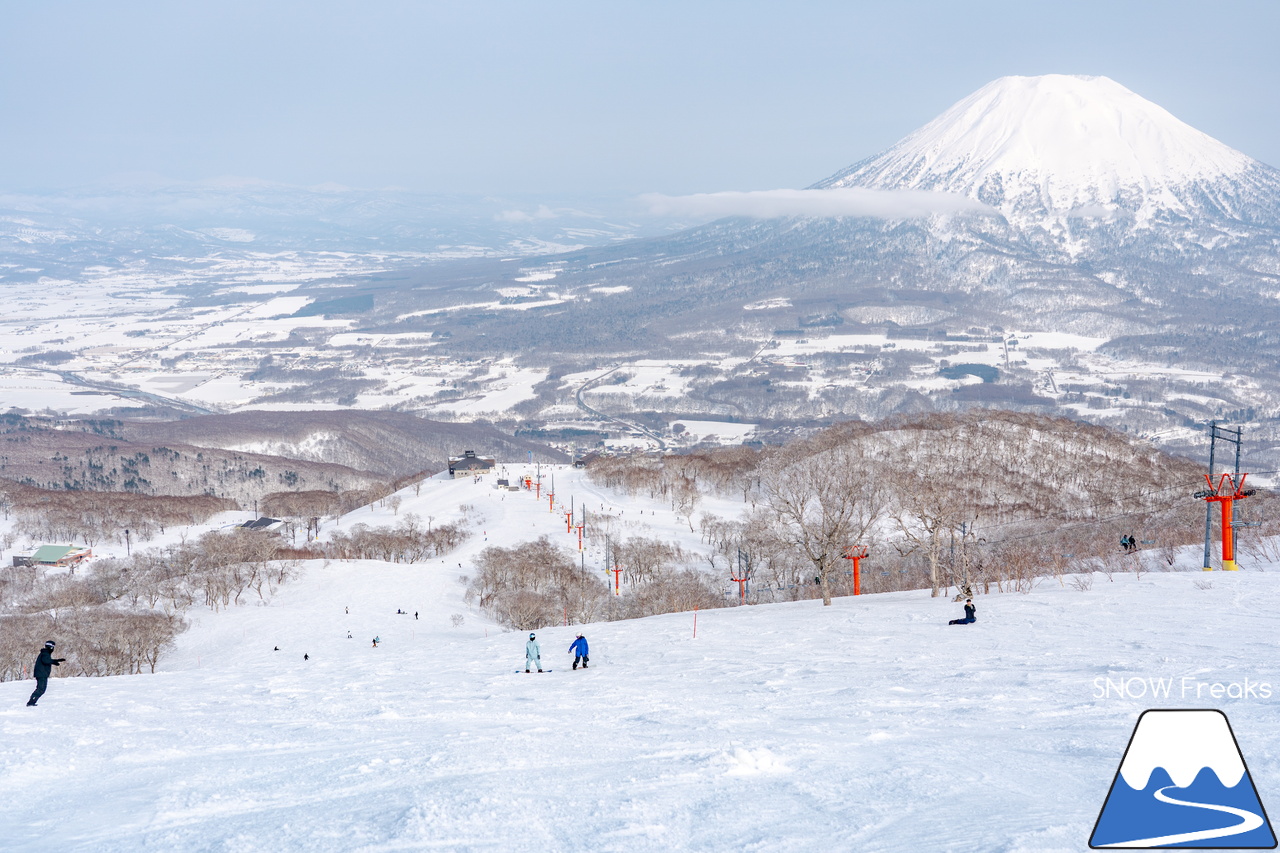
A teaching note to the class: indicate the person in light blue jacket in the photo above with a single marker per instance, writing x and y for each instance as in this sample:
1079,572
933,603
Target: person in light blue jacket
532,654
579,649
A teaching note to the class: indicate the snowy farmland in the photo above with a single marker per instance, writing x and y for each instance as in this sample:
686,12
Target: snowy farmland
250,330
871,725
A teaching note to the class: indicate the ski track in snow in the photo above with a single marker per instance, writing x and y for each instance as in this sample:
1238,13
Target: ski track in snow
871,725
1248,822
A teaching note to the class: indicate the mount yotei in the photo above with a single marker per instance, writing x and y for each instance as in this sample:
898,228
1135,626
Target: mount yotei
1105,215
1112,257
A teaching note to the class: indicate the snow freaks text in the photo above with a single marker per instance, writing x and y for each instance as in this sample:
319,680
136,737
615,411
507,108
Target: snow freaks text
1184,687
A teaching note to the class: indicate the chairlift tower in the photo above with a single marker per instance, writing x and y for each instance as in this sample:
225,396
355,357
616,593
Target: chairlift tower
1234,490
855,556
1230,489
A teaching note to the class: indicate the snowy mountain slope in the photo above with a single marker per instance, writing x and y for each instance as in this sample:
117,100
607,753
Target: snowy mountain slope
870,725
1061,144
1117,220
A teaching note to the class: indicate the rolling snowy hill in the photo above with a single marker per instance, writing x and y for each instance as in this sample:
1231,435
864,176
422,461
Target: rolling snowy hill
871,725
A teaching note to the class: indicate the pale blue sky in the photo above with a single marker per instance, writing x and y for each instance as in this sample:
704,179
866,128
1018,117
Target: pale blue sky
574,97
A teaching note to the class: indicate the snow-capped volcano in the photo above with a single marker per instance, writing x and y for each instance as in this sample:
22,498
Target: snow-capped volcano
1061,144
1183,743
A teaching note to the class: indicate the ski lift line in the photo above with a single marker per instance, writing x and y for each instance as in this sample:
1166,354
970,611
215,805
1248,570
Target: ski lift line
1080,525
1105,503
984,542
1091,506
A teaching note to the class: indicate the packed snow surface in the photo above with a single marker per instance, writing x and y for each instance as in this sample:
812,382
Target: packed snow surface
870,725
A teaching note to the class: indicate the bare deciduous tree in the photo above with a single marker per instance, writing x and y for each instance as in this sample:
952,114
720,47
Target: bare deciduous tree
821,503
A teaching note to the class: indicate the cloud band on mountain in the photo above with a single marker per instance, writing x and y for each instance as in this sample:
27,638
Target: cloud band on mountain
851,201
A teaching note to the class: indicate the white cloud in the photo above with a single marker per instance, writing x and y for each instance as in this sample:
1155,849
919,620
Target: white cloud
853,201
543,212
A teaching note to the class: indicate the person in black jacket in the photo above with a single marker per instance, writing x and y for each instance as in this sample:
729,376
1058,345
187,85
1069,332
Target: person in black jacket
970,614
44,665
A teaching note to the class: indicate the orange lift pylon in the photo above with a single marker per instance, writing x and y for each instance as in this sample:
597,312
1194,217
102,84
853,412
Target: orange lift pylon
1227,492
856,555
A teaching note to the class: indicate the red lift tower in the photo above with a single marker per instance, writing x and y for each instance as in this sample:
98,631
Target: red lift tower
1230,489
855,556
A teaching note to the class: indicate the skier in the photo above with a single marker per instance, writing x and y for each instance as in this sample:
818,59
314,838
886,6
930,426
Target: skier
306,656
415,614
970,614
532,654
44,665
375,641
579,649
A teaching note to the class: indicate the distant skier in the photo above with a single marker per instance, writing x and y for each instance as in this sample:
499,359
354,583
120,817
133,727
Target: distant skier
532,654
970,614
375,641
579,649
306,656
415,614
45,663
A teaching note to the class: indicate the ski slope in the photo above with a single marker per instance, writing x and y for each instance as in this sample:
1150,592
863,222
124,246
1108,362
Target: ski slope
870,725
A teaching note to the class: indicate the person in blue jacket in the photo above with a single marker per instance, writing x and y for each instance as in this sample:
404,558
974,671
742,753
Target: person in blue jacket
532,654
970,614
579,649
44,666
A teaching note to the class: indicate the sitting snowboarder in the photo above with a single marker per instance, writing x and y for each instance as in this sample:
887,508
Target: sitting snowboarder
532,654
579,649
970,614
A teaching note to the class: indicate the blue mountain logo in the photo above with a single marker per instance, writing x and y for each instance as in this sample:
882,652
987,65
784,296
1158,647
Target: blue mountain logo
1183,783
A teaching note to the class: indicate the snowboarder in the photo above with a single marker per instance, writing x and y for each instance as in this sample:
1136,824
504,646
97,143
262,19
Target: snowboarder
970,614
45,663
532,654
579,649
